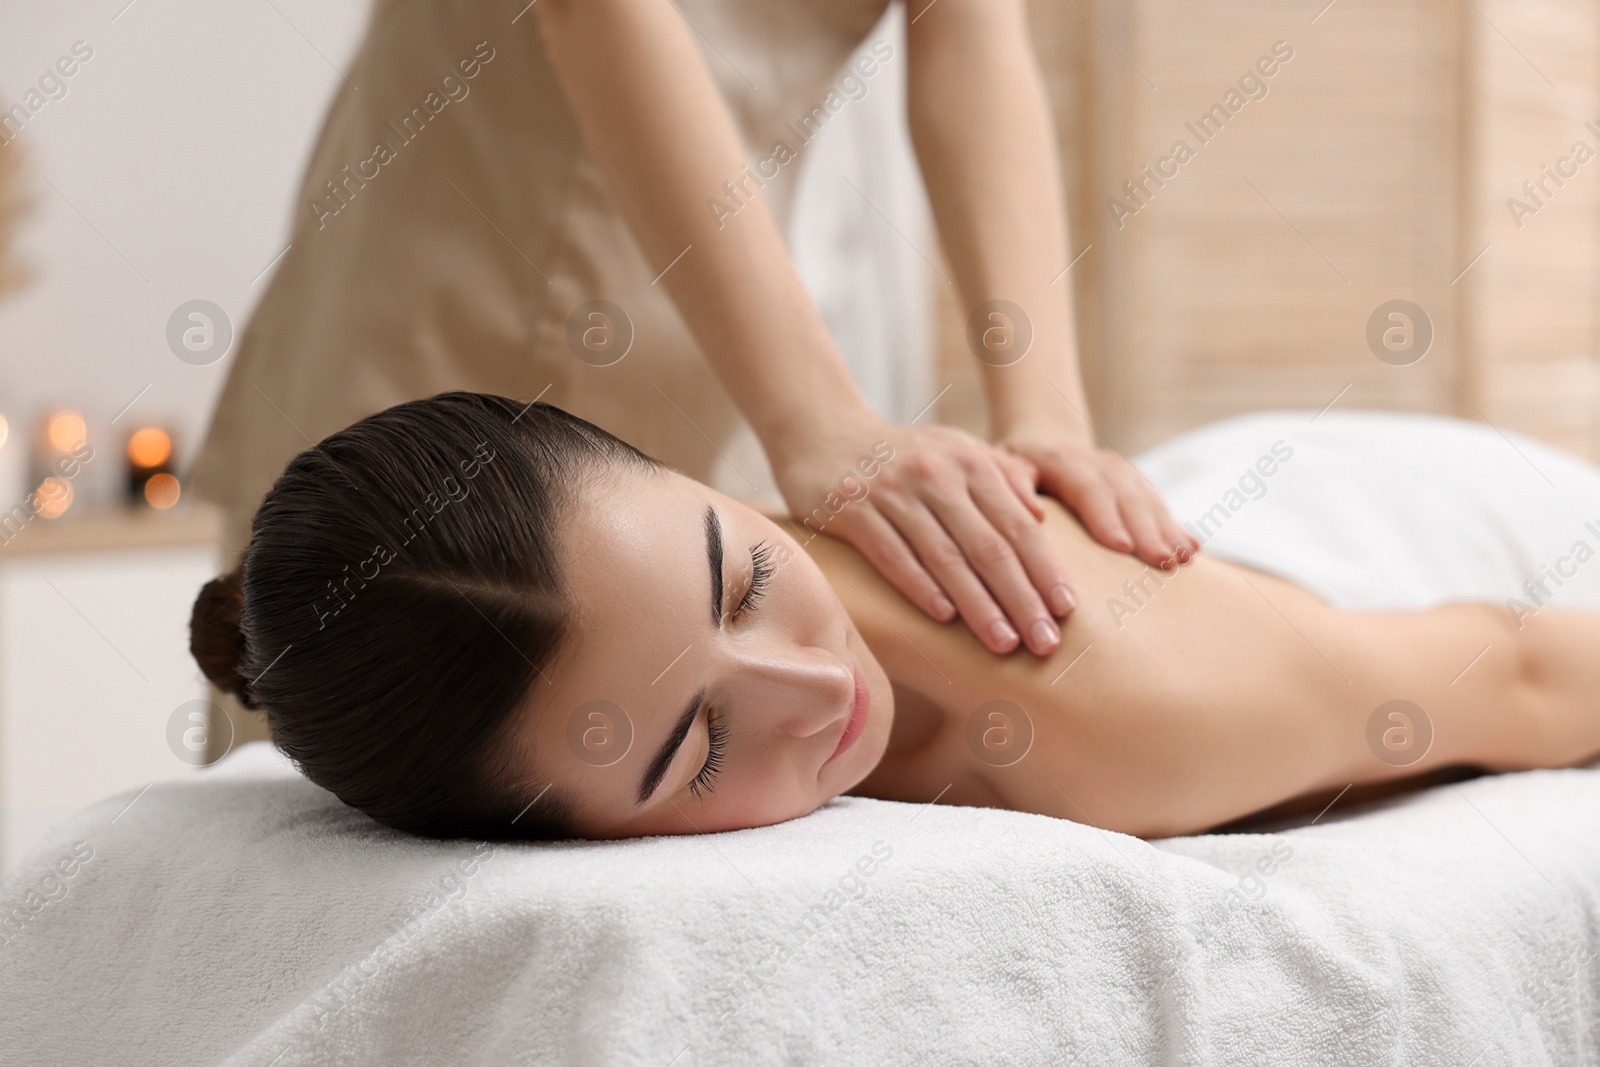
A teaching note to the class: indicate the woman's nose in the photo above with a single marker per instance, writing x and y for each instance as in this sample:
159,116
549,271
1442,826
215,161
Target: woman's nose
804,693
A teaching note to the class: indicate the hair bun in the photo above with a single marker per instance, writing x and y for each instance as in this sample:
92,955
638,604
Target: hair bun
215,638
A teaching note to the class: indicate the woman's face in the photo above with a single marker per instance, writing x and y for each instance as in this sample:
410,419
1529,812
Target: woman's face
711,674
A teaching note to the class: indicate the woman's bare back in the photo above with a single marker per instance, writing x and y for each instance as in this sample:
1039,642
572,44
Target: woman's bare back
1182,700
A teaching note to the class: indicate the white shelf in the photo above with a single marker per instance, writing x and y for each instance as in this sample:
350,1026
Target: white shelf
94,658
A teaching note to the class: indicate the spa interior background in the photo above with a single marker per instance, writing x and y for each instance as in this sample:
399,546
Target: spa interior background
1425,151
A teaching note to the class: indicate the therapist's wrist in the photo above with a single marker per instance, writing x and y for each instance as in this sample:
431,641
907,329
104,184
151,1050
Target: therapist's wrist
802,426
1043,389
1053,415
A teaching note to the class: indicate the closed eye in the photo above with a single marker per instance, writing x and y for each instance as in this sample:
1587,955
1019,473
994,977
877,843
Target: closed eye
716,748
761,571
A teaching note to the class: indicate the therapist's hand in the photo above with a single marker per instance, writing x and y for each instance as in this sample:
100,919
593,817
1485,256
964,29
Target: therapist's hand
1117,504
948,519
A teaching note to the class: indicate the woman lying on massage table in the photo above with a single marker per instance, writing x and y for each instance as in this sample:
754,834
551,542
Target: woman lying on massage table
469,616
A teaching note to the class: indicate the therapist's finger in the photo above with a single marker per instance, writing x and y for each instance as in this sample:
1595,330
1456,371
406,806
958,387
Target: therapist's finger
1182,544
945,559
876,538
1150,543
1035,552
1157,539
1188,544
1092,499
991,537
1023,478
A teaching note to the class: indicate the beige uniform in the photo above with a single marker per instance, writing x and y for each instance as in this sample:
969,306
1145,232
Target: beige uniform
451,223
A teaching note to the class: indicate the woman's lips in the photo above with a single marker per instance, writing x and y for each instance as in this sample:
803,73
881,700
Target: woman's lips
858,716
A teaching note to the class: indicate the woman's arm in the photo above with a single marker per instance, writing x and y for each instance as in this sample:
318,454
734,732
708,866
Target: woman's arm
982,131
953,521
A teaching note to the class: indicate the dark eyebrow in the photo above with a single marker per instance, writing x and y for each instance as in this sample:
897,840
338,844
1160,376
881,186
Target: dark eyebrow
669,748
714,557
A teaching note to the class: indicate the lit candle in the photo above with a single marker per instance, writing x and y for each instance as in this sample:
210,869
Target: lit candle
60,451
150,477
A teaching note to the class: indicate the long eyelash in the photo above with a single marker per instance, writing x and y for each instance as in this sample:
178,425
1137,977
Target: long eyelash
761,571
716,748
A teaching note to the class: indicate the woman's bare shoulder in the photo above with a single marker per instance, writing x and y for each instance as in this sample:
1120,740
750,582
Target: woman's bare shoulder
942,660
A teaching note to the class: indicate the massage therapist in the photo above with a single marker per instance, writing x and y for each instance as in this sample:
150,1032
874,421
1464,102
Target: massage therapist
511,199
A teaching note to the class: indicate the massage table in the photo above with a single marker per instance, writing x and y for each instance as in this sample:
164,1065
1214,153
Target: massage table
247,917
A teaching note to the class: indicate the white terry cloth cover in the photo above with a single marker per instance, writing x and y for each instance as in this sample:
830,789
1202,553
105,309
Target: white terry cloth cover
247,917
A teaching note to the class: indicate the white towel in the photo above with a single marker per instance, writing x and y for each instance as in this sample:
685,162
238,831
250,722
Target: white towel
246,917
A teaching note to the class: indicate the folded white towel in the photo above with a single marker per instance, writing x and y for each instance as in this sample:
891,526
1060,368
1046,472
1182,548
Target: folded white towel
246,917
1374,509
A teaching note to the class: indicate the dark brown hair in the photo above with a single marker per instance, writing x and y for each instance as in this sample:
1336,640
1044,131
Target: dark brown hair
400,593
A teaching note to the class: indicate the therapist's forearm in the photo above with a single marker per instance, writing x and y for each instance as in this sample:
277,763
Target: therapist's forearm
983,136
659,132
